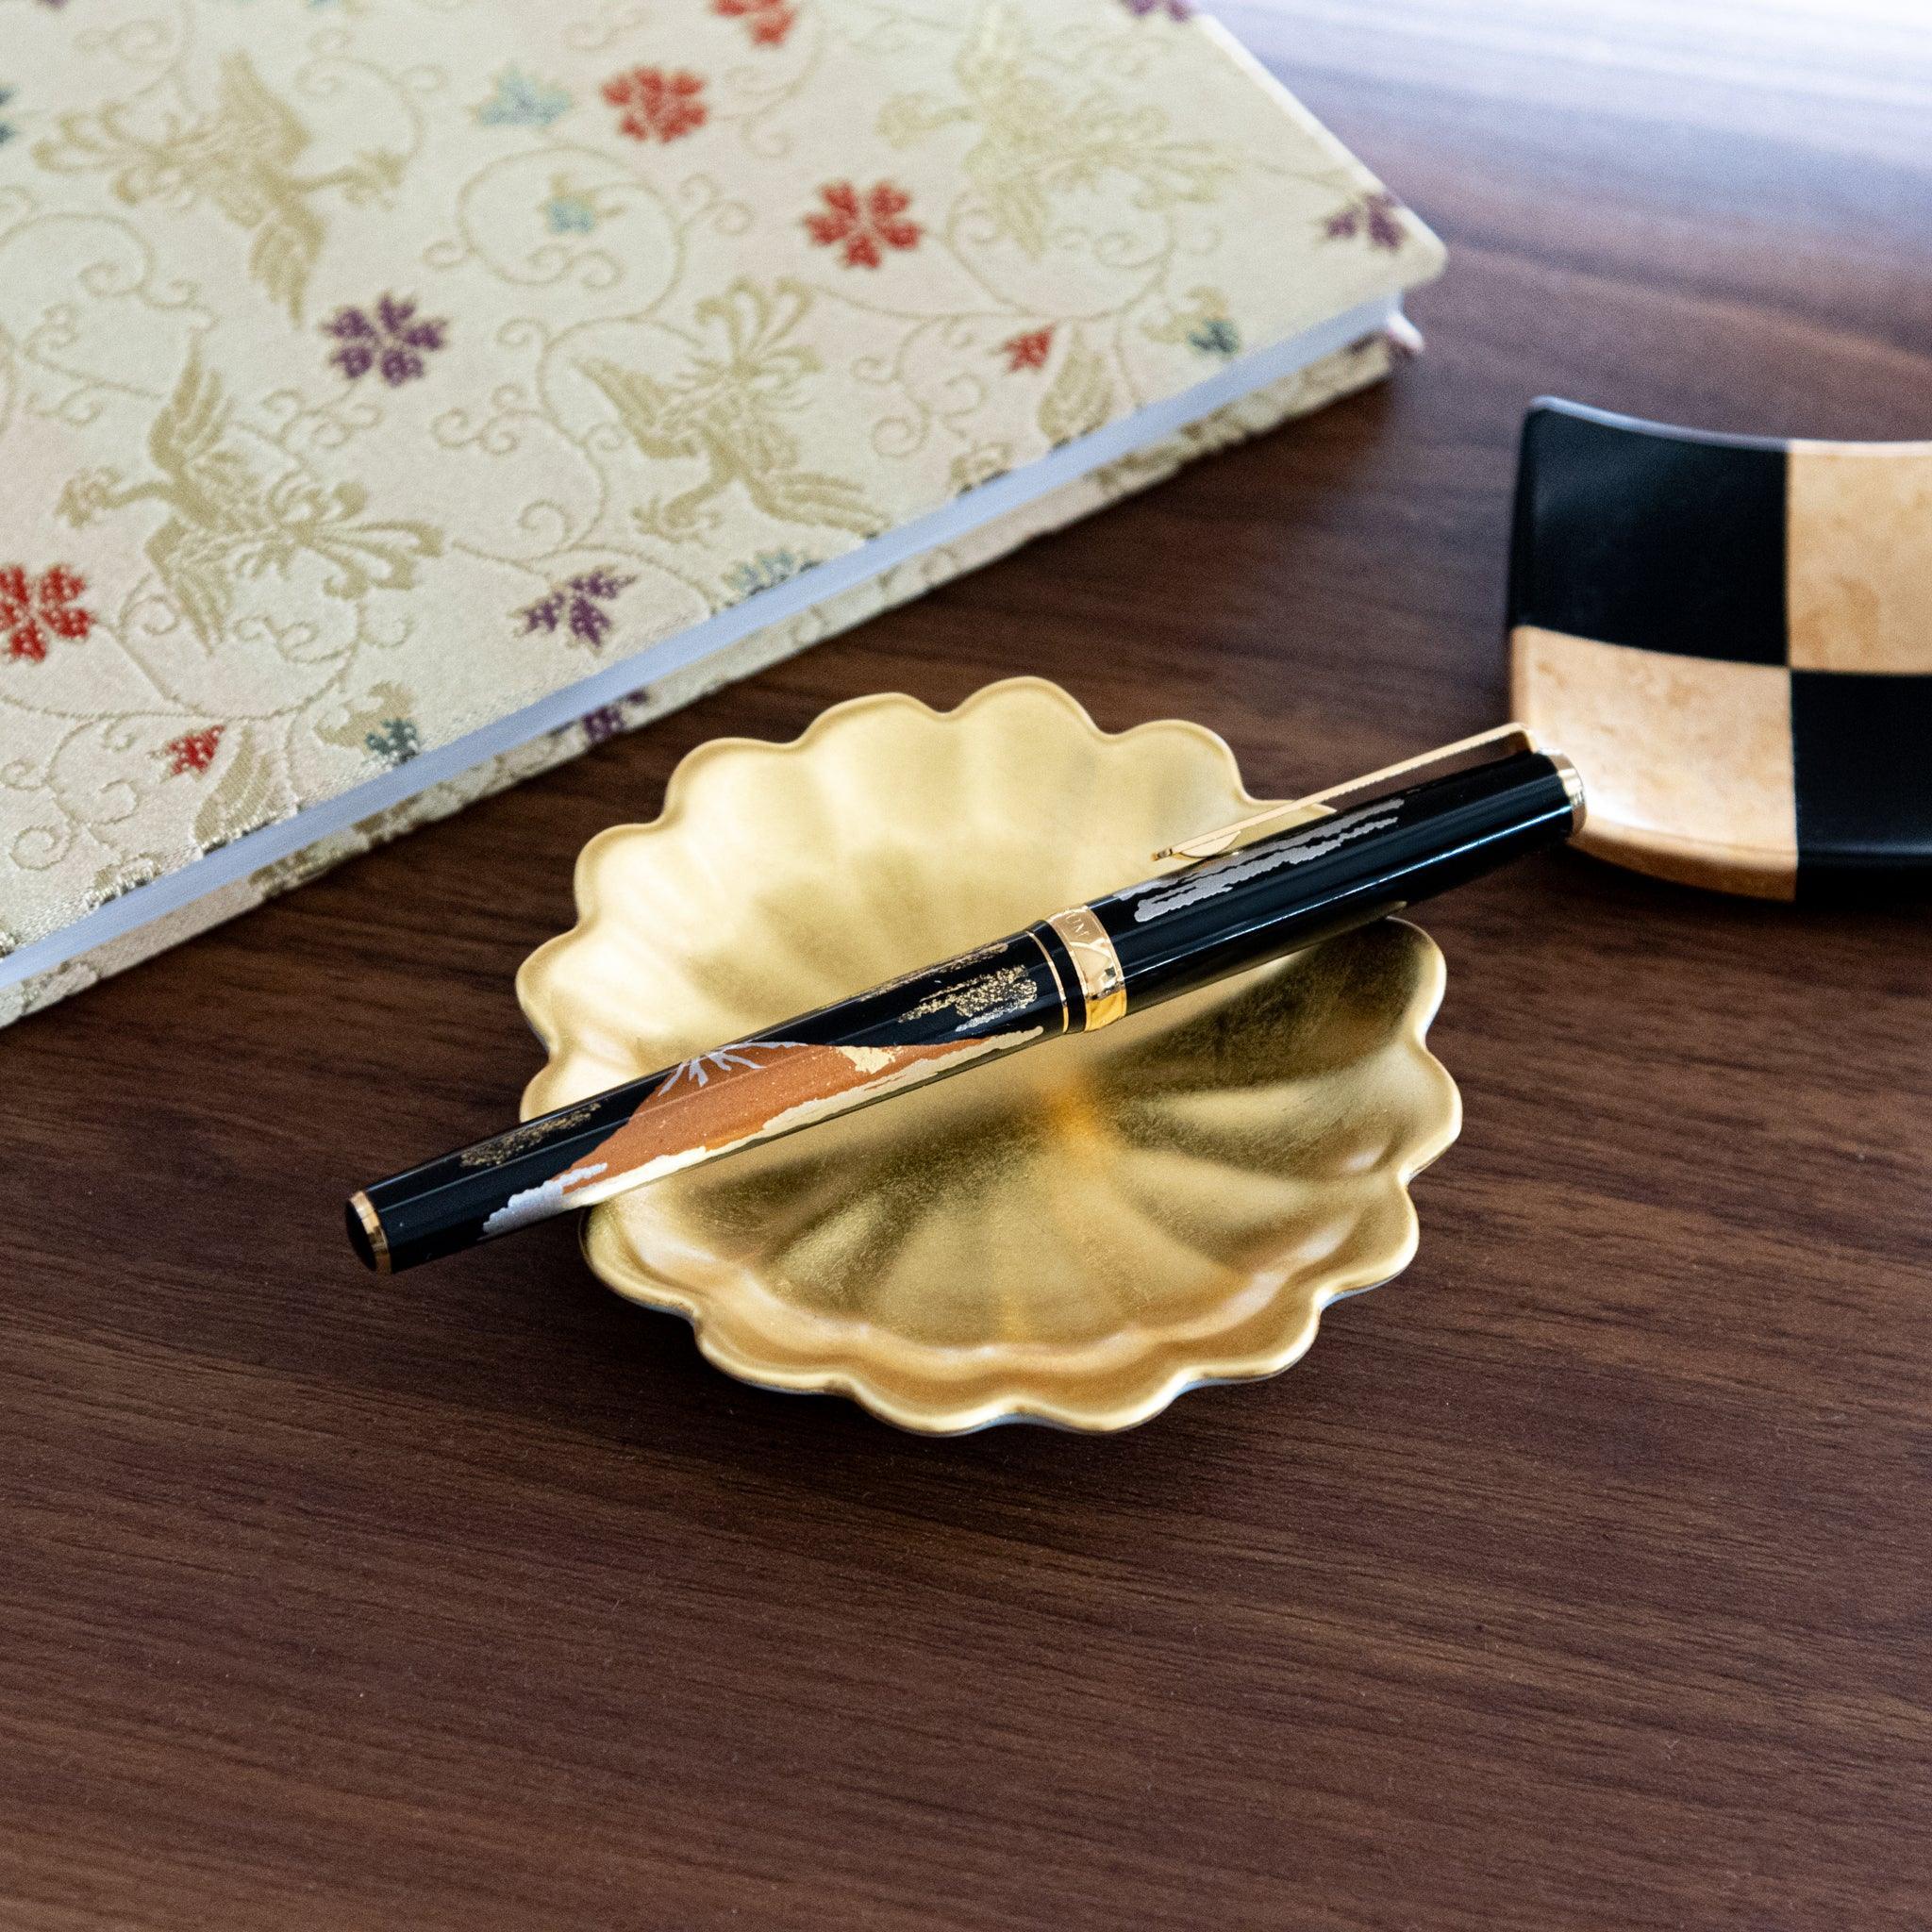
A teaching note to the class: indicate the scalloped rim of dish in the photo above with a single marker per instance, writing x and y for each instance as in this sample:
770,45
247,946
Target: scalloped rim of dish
931,1413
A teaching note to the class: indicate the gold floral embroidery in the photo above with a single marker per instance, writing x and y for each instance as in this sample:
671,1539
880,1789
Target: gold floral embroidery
1038,138
250,576
1204,306
226,523
724,407
1081,397
248,794
241,156
366,725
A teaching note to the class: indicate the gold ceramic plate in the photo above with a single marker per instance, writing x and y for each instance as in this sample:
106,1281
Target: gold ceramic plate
1076,1234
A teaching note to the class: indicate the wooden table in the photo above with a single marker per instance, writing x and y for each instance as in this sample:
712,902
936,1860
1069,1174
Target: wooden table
1579,1579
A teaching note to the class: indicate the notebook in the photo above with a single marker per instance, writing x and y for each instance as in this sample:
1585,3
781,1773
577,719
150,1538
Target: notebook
399,396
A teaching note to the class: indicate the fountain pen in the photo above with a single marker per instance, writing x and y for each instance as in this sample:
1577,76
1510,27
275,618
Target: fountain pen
1077,970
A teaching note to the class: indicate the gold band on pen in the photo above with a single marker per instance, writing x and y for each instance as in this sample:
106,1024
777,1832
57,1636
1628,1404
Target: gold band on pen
1573,786
371,1227
1103,984
1066,1009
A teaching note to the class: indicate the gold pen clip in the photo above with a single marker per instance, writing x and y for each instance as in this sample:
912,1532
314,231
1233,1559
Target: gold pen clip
1320,804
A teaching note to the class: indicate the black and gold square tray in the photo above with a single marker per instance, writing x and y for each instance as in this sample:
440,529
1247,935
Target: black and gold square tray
1732,638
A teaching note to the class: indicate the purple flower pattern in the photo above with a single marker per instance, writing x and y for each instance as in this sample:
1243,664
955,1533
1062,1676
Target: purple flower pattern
393,341
1175,9
576,607
1378,216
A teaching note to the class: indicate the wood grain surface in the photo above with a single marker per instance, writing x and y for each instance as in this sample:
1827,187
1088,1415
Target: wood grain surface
1578,1579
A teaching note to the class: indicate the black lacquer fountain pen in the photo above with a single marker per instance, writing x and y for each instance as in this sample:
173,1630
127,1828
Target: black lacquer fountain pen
1080,969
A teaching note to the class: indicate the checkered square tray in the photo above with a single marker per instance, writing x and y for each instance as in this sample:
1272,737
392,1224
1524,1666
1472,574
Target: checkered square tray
1732,639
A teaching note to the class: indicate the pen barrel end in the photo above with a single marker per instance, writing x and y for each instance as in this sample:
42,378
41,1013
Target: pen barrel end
366,1234
1312,881
1573,787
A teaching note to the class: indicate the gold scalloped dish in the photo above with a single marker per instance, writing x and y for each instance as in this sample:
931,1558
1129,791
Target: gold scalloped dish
1074,1235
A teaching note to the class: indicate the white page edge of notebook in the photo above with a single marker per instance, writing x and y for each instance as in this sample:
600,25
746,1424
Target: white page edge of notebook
952,521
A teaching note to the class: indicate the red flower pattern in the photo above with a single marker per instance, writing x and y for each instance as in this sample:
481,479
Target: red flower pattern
857,224
1028,351
768,21
194,751
658,106
34,610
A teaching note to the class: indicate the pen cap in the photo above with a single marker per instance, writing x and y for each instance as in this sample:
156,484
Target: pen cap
1335,873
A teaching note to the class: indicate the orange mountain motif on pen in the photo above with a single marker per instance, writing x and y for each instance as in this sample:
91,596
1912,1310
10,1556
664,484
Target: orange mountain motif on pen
744,1092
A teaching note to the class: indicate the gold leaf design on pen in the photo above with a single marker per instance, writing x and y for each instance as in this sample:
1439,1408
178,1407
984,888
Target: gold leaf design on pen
1009,989
521,1139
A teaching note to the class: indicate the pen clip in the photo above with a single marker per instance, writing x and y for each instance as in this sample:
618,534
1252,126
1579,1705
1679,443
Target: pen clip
1320,804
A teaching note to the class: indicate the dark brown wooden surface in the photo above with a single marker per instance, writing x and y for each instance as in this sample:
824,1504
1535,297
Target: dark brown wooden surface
1579,1579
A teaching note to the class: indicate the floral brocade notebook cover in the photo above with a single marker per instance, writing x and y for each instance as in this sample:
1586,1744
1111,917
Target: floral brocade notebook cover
373,370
